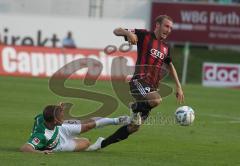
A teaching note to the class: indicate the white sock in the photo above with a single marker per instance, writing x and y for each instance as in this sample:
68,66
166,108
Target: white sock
96,145
106,121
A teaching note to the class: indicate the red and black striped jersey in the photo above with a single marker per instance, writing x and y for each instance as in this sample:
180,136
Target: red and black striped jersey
152,55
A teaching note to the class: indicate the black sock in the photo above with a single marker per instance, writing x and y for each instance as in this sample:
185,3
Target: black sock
121,134
141,107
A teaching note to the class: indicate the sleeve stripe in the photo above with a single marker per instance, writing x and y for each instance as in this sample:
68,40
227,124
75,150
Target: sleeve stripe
31,145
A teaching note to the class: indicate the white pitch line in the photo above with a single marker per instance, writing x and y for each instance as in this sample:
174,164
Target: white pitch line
234,121
223,116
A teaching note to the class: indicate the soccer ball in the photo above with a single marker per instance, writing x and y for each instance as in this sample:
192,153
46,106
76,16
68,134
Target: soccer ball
184,115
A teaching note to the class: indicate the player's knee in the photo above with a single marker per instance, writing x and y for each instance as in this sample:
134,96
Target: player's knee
82,144
155,102
133,128
88,144
158,101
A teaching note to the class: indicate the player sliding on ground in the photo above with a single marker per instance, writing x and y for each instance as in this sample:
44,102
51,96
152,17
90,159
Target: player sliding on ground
52,134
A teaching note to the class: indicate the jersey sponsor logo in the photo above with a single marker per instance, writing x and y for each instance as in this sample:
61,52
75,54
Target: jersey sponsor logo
165,50
156,53
35,141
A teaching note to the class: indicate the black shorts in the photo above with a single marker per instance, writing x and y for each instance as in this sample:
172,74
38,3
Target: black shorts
139,88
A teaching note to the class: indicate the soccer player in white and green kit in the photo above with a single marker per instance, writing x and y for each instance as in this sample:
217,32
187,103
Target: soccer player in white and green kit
51,134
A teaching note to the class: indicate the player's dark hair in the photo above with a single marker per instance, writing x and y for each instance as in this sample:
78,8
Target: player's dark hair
160,18
50,112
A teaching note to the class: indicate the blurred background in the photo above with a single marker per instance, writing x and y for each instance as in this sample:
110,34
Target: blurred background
205,40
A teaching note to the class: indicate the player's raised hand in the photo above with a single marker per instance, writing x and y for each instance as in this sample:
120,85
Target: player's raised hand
132,38
180,95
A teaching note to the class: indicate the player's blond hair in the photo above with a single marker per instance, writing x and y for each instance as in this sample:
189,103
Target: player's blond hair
159,19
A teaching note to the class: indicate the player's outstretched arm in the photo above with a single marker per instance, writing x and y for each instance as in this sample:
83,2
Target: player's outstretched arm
179,91
30,149
131,37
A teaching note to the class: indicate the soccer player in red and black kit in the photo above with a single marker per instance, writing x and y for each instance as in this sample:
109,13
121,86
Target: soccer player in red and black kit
153,53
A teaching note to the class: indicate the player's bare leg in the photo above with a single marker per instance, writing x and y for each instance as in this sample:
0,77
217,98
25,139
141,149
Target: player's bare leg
153,98
81,144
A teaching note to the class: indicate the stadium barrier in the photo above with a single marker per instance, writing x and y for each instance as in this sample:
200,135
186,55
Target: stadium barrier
221,75
201,24
44,62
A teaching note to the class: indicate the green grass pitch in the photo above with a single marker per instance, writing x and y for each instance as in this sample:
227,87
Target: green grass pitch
213,139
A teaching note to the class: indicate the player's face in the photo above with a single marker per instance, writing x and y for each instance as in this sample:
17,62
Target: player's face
165,28
59,119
